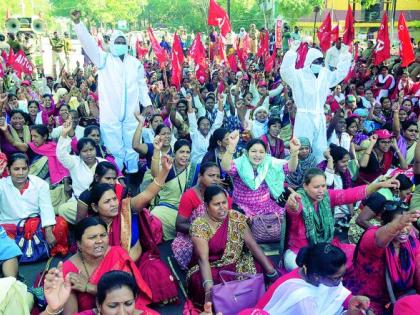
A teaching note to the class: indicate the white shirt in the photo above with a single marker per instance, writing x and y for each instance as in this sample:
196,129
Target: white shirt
81,174
200,143
56,132
333,56
35,199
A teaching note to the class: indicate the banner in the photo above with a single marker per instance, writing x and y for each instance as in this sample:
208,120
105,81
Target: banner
22,64
279,24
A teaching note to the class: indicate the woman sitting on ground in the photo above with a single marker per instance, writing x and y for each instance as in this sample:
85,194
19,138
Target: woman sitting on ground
93,259
258,178
388,251
370,210
315,287
116,290
191,206
81,167
310,217
222,240
121,216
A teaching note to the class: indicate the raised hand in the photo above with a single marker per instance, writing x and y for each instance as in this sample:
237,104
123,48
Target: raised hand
234,138
408,218
327,154
294,145
75,16
56,288
67,127
140,118
166,162
157,143
293,200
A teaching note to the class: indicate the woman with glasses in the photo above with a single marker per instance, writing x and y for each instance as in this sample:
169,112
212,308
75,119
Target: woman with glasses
385,258
315,287
378,157
406,135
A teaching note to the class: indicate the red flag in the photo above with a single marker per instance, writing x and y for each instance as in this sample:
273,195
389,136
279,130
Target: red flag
302,51
160,53
218,17
177,61
335,33
264,45
324,33
140,50
22,64
11,58
406,48
348,35
1,70
383,46
197,51
241,56
351,73
270,61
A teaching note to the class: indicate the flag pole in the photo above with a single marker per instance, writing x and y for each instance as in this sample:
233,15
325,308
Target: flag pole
316,11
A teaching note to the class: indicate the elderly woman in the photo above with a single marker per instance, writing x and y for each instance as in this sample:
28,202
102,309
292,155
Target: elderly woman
93,259
385,263
258,178
310,217
315,287
220,238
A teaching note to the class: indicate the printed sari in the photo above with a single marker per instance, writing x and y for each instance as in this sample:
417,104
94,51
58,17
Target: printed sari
227,251
115,258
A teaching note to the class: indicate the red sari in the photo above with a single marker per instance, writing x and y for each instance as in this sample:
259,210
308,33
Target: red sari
115,259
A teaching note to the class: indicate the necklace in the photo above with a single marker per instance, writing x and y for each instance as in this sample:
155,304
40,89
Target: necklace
84,265
213,227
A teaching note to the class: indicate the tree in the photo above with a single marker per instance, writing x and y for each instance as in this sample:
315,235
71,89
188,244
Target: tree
292,10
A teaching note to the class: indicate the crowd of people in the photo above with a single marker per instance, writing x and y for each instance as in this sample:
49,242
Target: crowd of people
318,166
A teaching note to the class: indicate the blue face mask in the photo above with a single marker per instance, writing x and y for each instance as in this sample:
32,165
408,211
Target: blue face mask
120,49
316,68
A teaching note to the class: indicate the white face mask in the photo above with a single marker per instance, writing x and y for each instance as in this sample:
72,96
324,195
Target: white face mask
316,68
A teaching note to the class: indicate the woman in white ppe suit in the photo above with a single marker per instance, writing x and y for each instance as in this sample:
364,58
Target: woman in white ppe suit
121,88
310,87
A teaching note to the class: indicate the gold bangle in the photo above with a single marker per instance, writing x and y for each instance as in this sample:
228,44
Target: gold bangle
156,182
52,313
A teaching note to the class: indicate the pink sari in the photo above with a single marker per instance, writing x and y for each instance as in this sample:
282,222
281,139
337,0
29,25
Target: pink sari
225,252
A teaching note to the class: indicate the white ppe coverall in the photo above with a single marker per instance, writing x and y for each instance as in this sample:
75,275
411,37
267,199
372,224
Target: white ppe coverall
121,88
310,93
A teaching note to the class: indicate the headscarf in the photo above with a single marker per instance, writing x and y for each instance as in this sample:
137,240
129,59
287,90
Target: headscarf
270,170
114,36
295,179
259,128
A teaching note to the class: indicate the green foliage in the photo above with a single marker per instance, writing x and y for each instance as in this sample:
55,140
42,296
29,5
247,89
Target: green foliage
29,8
292,10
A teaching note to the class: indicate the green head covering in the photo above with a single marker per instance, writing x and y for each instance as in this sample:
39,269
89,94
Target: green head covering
304,142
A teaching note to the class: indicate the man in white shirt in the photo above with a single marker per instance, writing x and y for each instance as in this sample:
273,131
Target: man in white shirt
333,54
